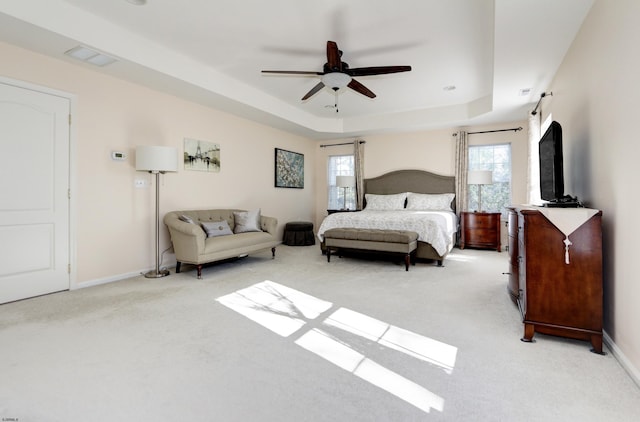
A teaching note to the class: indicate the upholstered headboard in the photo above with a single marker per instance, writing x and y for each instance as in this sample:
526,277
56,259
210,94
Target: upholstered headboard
418,181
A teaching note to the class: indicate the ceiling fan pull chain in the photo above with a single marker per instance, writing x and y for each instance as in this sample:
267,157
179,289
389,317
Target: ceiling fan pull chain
336,101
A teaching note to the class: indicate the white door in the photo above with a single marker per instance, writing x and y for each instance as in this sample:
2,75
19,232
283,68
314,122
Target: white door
34,198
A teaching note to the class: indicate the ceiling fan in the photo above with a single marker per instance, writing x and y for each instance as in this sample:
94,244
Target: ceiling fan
336,74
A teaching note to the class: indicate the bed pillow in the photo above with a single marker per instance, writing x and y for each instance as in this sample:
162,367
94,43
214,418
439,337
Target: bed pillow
216,228
385,202
247,221
429,202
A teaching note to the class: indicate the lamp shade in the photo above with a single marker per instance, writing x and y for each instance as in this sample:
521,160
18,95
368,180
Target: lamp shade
345,181
480,177
156,159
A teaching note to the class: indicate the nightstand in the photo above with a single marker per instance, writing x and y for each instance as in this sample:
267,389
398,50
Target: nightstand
480,230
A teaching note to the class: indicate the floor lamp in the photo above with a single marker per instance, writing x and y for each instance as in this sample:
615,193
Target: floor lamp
345,182
480,177
157,160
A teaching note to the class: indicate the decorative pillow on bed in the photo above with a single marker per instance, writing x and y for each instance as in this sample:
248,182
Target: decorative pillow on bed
247,221
216,228
429,202
385,202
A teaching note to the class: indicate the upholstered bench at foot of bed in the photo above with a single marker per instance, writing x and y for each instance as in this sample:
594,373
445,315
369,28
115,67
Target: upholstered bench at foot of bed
392,241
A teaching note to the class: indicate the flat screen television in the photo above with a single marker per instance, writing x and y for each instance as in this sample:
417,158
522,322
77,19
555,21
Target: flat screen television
551,169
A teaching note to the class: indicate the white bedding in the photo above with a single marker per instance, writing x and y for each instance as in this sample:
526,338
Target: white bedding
433,227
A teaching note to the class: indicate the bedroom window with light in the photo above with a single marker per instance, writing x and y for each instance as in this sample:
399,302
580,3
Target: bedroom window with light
340,165
497,158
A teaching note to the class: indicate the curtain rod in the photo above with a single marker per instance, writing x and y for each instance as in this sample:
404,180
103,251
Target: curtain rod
535,110
346,143
515,129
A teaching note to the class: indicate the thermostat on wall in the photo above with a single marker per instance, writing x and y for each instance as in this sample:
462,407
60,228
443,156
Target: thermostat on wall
118,156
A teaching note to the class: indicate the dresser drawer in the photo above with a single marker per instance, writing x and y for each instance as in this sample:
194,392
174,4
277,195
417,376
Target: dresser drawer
483,237
482,221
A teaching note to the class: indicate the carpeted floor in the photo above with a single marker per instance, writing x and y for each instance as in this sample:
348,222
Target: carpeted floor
174,349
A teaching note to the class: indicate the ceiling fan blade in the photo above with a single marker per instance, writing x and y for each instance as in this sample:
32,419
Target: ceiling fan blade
315,89
333,57
377,70
293,72
358,87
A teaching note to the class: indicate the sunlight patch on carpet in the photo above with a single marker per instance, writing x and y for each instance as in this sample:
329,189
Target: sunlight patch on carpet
345,357
276,307
460,257
405,341
286,311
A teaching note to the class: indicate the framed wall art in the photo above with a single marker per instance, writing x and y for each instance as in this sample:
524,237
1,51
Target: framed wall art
289,169
201,155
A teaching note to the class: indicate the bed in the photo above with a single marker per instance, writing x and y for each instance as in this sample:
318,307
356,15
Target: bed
436,228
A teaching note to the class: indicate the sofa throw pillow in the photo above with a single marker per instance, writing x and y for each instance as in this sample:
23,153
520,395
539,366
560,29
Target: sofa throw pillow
429,202
186,219
385,202
216,228
247,221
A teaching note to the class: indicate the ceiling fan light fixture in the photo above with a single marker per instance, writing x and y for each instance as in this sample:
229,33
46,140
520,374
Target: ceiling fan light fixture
336,80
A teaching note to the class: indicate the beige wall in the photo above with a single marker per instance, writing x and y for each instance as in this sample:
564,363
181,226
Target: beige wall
595,99
114,222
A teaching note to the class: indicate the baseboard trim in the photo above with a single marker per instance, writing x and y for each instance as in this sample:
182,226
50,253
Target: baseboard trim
118,277
110,279
620,356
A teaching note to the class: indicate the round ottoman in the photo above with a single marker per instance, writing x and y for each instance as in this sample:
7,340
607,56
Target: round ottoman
299,233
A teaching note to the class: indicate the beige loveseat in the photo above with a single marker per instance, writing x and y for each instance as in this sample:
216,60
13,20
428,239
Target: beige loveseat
192,245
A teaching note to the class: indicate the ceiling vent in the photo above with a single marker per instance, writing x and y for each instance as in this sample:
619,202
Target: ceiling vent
524,92
88,55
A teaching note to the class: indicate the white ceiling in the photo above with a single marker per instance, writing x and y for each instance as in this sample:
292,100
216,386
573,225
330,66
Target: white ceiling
213,51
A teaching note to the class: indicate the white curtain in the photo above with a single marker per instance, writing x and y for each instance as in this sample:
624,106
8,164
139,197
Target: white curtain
358,170
533,174
462,168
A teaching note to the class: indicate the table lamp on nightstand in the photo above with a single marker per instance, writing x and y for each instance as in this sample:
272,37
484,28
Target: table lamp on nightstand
345,182
480,177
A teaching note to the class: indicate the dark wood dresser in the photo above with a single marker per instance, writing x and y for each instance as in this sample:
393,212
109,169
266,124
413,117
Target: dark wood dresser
480,230
514,258
556,297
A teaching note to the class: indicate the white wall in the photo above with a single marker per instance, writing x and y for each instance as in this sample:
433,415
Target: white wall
595,99
115,222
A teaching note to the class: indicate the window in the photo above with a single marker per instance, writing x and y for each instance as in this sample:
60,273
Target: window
497,158
340,165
